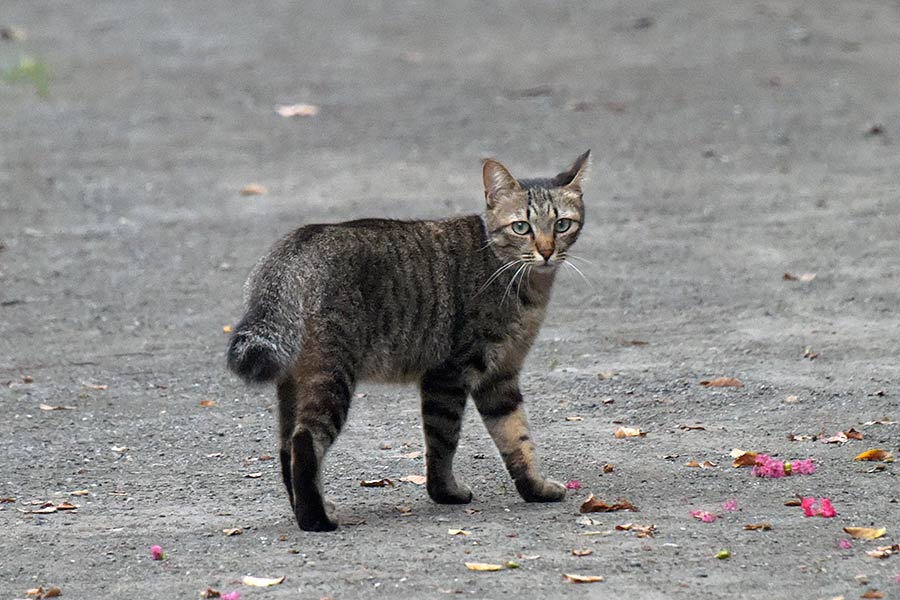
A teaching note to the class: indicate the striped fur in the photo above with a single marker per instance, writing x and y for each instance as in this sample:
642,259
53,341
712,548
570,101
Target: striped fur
453,305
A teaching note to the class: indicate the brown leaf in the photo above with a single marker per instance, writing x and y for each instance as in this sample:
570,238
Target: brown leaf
37,592
876,454
52,593
743,458
226,329
758,527
792,399
297,110
636,343
722,382
79,493
871,593
65,506
607,374
415,454
458,532
881,422
207,403
472,566
794,502
582,578
211,593
593,505
253,189
607,468
839,438
261,581
794,437
884,551
643,531
416,479
574,418
7,500
626,432
853,434
692,427
582,551
808,353
704,465
865,533
376,482
48,407
233,531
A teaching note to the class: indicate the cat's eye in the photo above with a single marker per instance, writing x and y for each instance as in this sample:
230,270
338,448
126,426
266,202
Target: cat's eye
563,225
520,227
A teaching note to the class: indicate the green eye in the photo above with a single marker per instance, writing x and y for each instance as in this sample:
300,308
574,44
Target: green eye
563,225
520,227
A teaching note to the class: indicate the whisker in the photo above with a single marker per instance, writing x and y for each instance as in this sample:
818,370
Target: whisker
577,270
581,258
511,281
496,274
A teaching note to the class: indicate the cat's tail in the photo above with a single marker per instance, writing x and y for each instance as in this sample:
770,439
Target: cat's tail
266,342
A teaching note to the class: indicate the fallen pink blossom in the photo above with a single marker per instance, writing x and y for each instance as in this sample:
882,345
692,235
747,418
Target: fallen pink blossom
157,552
817,508
766,466
803,467
730,505
573,484
702,515
231,596
845,545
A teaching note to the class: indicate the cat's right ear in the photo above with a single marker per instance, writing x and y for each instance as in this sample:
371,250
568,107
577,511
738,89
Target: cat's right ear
497,180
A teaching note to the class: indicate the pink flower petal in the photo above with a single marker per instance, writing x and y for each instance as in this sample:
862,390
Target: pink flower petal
827,509
730,505
702,515
231,596
808,505
157,552
573,484
845,545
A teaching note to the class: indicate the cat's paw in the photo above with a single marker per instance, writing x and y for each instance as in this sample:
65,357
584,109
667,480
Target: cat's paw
541,490
321,520
449,493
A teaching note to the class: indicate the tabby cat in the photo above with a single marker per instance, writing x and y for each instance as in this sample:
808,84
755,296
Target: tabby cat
453,305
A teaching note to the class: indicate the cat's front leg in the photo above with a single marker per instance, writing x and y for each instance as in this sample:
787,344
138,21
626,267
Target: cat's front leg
443,403
500,403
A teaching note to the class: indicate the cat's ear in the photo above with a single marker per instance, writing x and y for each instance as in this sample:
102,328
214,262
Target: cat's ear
574,176
497,180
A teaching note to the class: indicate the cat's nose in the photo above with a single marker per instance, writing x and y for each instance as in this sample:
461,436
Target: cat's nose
546,253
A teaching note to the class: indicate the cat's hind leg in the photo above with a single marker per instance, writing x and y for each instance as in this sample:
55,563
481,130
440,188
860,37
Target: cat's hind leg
443,404
321,403
499,401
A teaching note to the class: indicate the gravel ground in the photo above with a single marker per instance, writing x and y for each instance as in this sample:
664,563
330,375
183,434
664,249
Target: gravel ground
733,142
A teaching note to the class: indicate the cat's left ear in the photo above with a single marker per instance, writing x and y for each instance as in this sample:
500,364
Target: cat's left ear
497,180
574,176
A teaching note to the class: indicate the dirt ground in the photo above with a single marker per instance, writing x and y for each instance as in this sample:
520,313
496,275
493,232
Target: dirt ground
733,142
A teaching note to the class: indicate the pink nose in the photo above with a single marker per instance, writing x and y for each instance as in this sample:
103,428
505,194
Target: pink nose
546,253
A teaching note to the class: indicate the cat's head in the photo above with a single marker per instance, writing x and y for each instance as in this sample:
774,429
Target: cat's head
534,220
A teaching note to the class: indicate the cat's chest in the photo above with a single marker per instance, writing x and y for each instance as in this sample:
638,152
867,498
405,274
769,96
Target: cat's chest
506,344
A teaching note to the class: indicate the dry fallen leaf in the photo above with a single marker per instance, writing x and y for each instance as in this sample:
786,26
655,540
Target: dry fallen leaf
574,418
692,427
865,533
871,593
207,403
48,407
52,593
839,438
794,502
415,454
608,468
96,386
261,581
884,551
482,566
643,531
626,432
37,592
743,458
704,465
808,353
376,482
253,475
253,189
582,551
65,506
297,110
876,454
458,532
881,422
795,437
792,399
582,578
233,531
758,527
593,505
722,382
79,493
226,328
210,593
416,479
804,277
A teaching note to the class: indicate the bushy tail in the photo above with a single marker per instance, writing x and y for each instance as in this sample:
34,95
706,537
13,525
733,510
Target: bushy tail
266,342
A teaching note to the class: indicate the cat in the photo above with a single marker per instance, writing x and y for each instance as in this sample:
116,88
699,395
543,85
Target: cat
453,305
